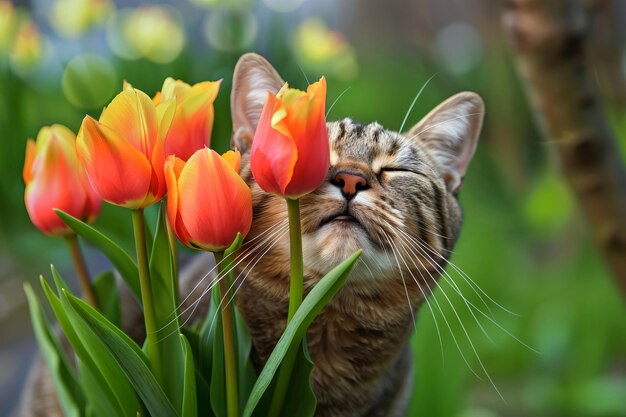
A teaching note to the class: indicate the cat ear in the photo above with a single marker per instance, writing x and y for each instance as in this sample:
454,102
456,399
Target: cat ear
253,78
450,133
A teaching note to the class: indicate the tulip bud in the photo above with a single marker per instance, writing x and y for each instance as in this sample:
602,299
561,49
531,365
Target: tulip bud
55,180
123,153
207,202
193,120
290,153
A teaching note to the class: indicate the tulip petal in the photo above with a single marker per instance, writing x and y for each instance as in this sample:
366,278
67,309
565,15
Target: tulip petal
173,168
274,154
232,158
28,160
132,115
193,122
210,189
56,185
118,172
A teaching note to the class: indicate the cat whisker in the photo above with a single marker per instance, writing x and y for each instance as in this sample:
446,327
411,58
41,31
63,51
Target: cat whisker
423,267
361,260
408,298
469,339
336,100
253,252
273,231
247,243
469,280
491,319
221,276
447,278
248,270
473,347
304,73
428,303
419,93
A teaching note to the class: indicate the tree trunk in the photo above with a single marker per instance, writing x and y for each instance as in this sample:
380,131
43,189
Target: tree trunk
548,39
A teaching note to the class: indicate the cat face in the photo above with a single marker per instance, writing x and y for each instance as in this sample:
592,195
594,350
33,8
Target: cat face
392,195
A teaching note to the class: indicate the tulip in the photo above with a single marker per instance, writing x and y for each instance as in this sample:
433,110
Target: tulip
290,157
193,120
55,180
208,203
123,153
290,154
209,206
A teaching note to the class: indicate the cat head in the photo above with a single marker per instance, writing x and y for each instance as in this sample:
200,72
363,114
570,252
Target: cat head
391,194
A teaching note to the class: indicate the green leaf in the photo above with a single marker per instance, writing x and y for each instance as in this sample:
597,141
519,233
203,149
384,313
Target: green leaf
163,282
118,257
218,369
67,388
246,374
91,358
108,296
190,407
203,400
314,302
129,358
97,400
205,343
300,399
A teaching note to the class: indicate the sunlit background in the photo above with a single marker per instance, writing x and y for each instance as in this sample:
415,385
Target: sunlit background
524,242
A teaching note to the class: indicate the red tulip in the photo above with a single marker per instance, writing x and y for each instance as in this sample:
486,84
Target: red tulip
290,153
55,180
193,120
123,153
208,203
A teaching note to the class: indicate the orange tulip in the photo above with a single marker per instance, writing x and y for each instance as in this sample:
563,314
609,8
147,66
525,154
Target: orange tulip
55,179
193,120
207,202
290,154
123,153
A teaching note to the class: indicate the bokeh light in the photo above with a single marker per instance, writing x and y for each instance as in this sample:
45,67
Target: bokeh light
220,3
460,47
230,29
151,32
72,18
27,47
321,50
7,24
283,6
89,81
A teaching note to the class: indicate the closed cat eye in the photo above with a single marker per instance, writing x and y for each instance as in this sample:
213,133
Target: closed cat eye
397,169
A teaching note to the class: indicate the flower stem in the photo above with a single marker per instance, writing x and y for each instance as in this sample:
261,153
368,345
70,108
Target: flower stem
146,292
81,270
295,248
171,237
230,353
296,286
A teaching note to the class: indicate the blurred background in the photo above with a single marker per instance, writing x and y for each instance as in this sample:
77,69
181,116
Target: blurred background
524,241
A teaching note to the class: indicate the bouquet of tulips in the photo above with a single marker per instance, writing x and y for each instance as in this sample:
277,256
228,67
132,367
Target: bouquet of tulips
140,152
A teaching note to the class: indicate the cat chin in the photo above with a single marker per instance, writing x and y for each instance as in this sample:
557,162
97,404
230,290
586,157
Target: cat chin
333,243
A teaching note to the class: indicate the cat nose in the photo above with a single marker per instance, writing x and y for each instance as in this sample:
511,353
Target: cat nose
350,183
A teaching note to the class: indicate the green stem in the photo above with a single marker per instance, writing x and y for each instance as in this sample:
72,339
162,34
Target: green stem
295,247
81,270
146,292
230,353
171,236
296,289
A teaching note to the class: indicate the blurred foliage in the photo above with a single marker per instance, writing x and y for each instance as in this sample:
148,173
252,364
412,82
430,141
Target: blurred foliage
524,242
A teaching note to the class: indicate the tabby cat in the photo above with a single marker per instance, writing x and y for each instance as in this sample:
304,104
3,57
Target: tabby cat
394,196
